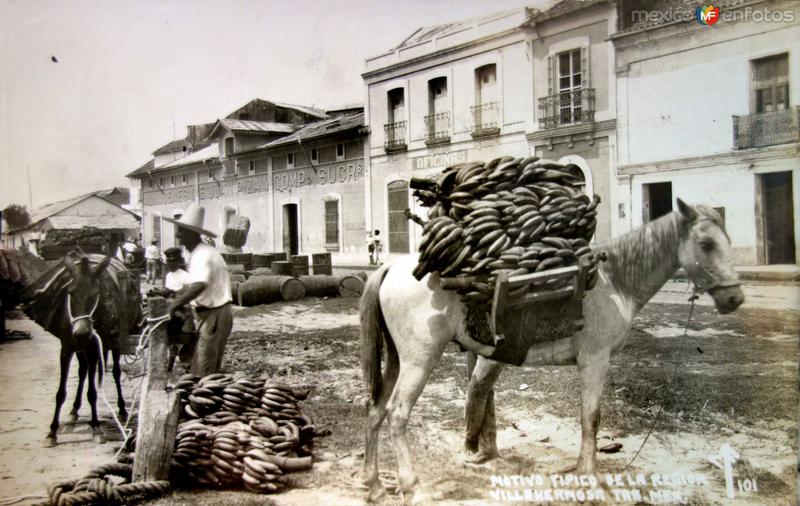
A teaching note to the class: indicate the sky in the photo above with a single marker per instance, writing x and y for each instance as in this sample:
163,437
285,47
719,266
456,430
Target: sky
130,76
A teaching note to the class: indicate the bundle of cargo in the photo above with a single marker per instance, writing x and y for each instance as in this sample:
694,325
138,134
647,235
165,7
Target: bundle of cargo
511,216
241,431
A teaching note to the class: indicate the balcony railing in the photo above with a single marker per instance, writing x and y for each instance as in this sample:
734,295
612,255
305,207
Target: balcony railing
486,119
766,129
437,128
395,136
566,108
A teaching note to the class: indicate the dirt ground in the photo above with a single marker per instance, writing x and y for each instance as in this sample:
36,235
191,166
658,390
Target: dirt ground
732,380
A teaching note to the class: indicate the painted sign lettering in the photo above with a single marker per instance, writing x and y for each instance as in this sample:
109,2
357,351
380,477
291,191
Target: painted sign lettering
236,188
327,174
438,160
168,195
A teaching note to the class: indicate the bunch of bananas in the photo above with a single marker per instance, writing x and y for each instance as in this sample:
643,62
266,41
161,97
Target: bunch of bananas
240,431
510,215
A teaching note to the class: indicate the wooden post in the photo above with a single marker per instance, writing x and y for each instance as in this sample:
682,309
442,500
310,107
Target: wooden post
159,409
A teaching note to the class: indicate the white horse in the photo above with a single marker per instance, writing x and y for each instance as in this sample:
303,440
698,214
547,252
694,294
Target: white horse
416,320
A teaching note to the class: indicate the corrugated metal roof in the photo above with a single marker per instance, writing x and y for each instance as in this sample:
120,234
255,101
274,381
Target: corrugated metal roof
240,125
48,210
144,169
312,111
105,222
208,153
320,129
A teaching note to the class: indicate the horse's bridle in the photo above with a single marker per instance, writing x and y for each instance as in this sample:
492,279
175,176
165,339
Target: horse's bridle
89,315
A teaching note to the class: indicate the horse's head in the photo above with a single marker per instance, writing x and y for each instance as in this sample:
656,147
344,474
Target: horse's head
83,294
705,255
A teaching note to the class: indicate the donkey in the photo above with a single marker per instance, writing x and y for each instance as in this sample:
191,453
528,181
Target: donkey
86,300
416,320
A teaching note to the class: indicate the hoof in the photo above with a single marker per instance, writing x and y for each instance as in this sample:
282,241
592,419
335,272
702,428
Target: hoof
123,414
50,441
422,497
376,494
73,416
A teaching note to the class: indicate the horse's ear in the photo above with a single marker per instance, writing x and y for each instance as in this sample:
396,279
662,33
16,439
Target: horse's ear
100,268
70,265
687,211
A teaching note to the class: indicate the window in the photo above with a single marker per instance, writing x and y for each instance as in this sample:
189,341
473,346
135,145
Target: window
175,240
228,214
184,178
251,167
210,174
398,223
771,84
396,105
339,152
150,183
570,79
229,146
656,200
486,84
172,180
161,182
314,154
332,225
290,160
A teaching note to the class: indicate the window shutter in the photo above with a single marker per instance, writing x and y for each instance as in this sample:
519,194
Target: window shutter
585,67
550,75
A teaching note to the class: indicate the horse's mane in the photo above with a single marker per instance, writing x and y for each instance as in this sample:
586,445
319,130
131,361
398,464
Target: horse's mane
634,257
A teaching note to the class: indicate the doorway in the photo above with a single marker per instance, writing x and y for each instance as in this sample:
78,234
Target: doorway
291,237
656,200
778,217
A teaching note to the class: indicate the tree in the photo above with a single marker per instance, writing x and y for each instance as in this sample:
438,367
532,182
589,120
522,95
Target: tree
16,216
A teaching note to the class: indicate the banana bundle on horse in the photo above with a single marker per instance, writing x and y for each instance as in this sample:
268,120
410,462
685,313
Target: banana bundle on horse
511,215
89,305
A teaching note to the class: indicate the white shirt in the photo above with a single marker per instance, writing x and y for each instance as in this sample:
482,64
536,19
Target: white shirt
129,247
152,252
176,280
206,265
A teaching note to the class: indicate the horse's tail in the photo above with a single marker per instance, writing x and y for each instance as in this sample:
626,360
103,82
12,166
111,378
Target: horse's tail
373,332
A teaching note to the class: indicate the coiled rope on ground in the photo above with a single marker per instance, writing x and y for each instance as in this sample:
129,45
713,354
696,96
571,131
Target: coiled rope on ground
107,484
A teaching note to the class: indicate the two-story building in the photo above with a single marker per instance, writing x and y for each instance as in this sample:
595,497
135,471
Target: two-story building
709,113
294,171
512,83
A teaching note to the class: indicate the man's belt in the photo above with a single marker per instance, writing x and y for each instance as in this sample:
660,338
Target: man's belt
203,309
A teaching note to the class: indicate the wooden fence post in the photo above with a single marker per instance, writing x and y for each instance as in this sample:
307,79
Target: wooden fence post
159,409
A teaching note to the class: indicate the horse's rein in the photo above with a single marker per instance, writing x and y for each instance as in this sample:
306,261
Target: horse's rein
89,315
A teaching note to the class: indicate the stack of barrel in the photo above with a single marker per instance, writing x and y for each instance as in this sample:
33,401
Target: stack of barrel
279,277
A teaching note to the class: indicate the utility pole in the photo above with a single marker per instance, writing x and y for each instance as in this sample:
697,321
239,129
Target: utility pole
30,191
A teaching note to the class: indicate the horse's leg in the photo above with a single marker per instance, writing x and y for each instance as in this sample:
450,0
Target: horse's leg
73,415
123,413
410,383
481,439
594,372
93,359
375,417
61,394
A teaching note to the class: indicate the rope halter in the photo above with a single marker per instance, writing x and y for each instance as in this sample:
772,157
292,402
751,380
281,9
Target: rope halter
89,315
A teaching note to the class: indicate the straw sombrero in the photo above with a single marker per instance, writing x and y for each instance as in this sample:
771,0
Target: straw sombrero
192,219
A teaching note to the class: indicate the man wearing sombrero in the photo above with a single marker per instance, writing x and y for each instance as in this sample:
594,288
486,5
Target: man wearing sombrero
209,292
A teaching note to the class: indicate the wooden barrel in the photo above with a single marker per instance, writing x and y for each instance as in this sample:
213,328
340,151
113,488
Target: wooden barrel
282,268
300,265
362,275
265,289
321,286
321,263
261,271
235,291
279,256
351,286
238,278
261,260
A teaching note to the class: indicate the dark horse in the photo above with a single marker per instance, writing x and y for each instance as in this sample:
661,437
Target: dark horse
86,304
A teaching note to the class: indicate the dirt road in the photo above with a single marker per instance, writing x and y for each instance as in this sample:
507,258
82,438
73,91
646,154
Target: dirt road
732,380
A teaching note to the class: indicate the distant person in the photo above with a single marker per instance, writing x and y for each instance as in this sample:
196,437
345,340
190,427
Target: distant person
371,248
377,246
153,255
127,250
175,282
209,292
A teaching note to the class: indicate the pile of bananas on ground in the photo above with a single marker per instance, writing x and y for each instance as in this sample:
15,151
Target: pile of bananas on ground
510,215
240,431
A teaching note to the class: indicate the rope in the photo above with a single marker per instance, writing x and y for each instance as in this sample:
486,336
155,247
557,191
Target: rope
693,298
98,488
